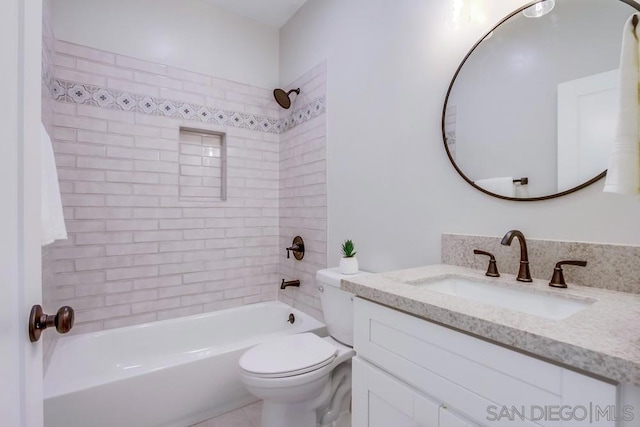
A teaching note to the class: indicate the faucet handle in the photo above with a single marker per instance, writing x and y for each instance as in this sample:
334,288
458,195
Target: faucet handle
492,269
557,280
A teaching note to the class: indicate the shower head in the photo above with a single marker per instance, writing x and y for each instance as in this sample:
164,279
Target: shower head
282,97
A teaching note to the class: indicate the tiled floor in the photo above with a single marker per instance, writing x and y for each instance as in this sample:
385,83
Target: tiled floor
249,416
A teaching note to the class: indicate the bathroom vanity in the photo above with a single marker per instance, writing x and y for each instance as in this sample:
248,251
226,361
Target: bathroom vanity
430,354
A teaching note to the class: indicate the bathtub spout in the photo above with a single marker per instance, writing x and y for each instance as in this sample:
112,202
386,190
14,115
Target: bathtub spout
284,284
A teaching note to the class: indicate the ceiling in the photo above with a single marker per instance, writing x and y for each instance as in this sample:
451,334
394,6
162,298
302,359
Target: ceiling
274,13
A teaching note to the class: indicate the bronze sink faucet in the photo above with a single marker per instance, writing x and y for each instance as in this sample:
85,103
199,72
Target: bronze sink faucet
524,275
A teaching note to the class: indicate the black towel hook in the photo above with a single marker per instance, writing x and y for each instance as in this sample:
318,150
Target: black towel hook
634,22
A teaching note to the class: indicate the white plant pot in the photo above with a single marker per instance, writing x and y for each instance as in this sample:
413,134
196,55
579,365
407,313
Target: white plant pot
349,265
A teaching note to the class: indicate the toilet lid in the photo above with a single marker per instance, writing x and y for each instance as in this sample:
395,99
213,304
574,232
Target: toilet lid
288,356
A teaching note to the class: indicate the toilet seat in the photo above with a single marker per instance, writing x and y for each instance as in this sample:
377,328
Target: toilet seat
288,356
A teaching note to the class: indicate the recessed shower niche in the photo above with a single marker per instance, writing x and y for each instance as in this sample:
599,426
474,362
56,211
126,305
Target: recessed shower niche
203,165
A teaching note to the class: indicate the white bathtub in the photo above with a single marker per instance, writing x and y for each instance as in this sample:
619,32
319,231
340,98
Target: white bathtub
170,373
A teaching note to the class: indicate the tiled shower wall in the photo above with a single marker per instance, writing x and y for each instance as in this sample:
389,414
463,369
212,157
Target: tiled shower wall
136,251
303,195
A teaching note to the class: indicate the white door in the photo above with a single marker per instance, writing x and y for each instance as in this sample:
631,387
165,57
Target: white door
587,115
20,282
380,400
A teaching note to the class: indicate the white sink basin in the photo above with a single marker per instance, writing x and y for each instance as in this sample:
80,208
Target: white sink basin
549,306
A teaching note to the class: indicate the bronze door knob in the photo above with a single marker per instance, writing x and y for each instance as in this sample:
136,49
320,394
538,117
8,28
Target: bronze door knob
38,321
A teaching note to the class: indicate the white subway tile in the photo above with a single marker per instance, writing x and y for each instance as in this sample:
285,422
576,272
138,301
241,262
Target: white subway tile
132,272
64,61
84,226
103,288
153,213
102,188
83,52
103,238
79,77
80,175
174,291
181,224
74,253
188,76
156,80
102,263
188,245
105,113
179,312
132,177
157,236
156,305
102,69
132,249
82,200
85,123
111,164
131,153
203,276
137,64
158,259
157,282
131,225
68,279
155,190
103,313
64,134
201,298
132,87
156,143
135,130
104,138
185,267
133,201
204,234
120,322
177,95
151,166
206,90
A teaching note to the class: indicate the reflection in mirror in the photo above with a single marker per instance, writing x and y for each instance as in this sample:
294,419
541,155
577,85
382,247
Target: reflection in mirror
537,99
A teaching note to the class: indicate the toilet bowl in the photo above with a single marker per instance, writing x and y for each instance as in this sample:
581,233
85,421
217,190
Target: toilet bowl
305,380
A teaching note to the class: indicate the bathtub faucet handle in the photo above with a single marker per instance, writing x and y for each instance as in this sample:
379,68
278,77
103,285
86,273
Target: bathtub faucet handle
297,247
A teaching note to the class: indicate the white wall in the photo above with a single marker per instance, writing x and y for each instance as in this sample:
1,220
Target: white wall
188,34
391,187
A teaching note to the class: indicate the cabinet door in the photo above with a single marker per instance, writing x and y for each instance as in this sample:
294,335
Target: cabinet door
449,419
380,400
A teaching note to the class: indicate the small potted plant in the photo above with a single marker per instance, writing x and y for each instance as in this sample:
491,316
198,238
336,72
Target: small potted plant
348,262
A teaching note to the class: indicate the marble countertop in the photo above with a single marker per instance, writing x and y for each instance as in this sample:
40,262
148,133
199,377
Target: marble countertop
602,339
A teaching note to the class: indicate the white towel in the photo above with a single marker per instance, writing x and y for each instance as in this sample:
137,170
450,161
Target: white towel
52,218
623,175
503,186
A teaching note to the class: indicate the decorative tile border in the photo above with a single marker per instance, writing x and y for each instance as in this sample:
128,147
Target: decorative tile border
79,93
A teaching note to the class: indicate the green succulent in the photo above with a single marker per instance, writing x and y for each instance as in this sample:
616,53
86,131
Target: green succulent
348,249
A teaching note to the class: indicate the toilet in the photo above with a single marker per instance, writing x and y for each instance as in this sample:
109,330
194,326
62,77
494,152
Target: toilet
305,380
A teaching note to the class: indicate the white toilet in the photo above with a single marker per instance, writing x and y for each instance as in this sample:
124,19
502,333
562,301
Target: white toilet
305,380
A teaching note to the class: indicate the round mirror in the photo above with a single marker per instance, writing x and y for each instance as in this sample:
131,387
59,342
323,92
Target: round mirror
531,111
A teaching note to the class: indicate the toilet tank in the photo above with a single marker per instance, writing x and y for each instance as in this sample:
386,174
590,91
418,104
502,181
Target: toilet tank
337,305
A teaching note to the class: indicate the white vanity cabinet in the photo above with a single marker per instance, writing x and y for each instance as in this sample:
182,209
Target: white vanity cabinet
380,400
412,372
